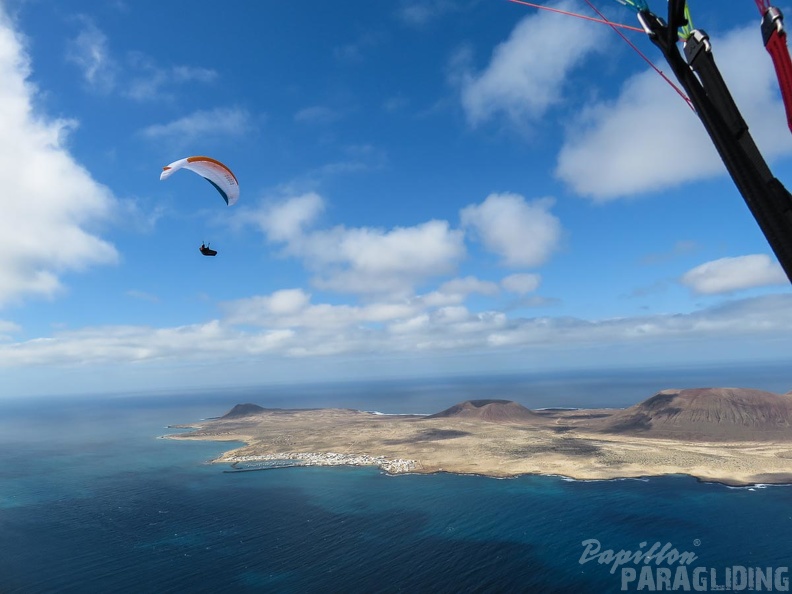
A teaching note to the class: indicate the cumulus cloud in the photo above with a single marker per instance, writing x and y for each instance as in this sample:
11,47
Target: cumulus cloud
288,220
734,274
396,261
219,122
45,228
360,260
648,138
267,309
527,73
604,158
522,233
368,260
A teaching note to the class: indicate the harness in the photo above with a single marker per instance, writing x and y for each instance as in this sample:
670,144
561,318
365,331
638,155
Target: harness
766,197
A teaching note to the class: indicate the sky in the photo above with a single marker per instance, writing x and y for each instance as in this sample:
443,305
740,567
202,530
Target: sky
427,187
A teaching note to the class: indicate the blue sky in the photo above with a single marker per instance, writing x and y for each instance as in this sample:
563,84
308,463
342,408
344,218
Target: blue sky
426,188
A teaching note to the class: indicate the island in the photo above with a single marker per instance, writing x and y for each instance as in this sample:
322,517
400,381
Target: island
735,436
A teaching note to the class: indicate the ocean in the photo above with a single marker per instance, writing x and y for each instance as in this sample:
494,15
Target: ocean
91,500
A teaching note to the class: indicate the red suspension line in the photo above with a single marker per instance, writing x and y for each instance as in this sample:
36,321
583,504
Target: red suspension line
640,53
580,16
615,26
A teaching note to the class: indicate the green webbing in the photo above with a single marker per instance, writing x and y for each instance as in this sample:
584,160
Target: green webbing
687,30
636,5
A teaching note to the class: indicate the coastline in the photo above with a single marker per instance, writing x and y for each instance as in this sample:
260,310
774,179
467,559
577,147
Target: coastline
411,444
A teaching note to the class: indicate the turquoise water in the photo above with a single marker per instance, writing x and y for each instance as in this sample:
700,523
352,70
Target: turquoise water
92,501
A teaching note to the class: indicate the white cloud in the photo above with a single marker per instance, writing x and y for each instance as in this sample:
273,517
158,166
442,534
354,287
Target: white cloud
648,139
136,76
468,285
134,213
355,158
286,323
222,121
130,344
7,329
522,233
376,261
420,13
521,283
366,260
148,81
292,308
317,114
732,321
734,274
90,52
455,292
287,221
634,144
193,73
360,260
527,73
286,302
49,202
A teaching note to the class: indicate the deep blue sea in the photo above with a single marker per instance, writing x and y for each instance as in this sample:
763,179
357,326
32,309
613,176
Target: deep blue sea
92,501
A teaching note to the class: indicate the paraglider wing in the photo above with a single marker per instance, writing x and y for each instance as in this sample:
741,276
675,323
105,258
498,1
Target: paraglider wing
212,171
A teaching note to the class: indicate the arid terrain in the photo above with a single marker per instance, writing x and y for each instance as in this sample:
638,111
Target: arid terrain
730,435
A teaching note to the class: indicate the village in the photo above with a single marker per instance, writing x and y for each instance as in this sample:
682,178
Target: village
391,466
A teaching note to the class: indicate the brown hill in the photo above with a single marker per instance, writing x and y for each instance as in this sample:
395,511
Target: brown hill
243,410
718,414
495,411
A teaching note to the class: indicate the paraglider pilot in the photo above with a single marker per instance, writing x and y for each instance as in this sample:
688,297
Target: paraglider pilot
206,251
